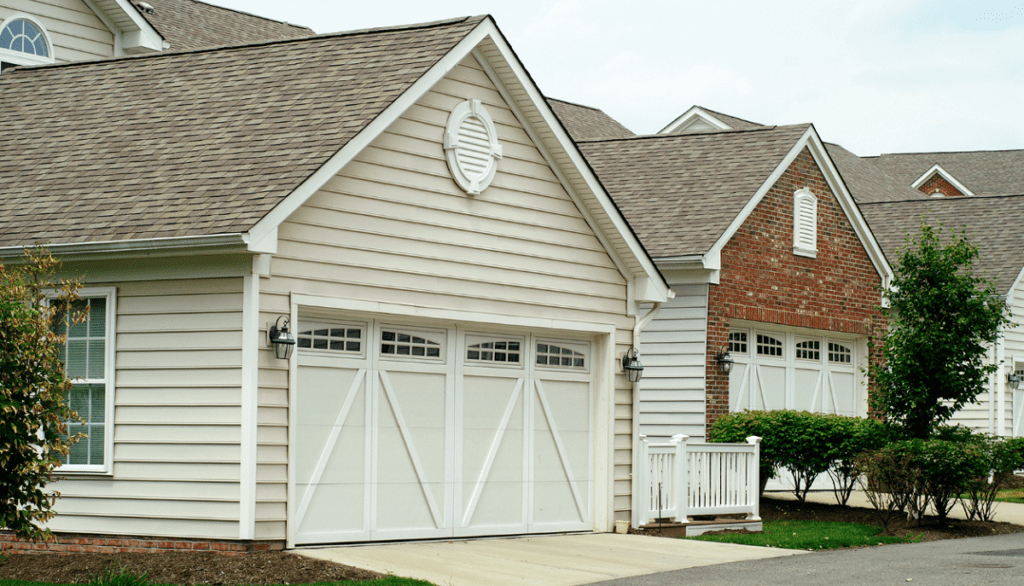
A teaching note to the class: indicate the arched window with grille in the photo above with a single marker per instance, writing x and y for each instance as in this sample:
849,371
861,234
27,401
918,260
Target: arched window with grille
24,41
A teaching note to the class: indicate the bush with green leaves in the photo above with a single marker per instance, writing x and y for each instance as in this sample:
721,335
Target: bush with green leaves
852,436
1002,458
942,319
33,425
735,428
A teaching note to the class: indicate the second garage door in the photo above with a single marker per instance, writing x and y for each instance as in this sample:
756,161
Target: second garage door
406,432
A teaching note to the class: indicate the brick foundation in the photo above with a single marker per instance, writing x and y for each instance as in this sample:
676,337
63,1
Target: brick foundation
763,281
67,543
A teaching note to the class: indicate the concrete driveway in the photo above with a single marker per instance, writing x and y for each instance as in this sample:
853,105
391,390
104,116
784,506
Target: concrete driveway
551,560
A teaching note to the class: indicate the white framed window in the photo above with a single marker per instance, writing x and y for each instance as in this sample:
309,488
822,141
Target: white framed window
24,41
333,337
840,353
808,349
494,350
410,344
88,356
805,223
562,355
738,342
769,346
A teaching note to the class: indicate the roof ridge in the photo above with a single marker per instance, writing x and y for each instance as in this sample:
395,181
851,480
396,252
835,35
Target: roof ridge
944,199
340,34
235,10
951,152
708,133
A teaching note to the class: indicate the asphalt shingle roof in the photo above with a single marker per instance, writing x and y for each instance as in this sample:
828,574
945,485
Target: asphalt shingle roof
188,25
991,223
192,144
866,181
680,192
585,123
734,122
982,172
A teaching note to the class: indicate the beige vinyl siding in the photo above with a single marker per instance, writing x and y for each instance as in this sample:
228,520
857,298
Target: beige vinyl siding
980,416
76,33
673,350
393,226
177,414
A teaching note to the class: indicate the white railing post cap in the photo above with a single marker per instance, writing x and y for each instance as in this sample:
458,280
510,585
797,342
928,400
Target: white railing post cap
753,440
680,437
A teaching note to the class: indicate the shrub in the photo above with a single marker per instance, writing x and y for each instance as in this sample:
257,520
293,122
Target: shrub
890,479
1002,457
735,428
853,436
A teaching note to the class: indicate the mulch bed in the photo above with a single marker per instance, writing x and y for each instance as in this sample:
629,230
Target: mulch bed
276,567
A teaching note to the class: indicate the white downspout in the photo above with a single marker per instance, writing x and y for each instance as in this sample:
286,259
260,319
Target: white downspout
641,323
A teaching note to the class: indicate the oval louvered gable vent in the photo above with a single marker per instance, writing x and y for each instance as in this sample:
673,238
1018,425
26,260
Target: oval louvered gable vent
471,146
805,223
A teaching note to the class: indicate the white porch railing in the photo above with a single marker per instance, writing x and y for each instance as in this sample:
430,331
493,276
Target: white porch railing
679,479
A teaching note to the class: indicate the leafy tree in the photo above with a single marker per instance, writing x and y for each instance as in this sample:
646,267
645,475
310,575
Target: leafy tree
33,424
942,319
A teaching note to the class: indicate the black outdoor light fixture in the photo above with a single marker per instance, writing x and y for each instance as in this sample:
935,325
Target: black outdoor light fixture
282,340
631,364
1014,379
725,360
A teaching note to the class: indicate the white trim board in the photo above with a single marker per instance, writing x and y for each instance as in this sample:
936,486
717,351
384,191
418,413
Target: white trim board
938,170
690,116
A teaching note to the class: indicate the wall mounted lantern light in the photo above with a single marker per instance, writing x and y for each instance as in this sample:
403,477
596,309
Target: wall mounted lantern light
631,364
282,340
1014,379
725,360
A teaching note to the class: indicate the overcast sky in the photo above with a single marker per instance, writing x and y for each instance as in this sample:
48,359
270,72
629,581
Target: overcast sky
876,76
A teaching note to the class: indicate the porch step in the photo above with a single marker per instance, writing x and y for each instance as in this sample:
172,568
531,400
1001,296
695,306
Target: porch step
700,527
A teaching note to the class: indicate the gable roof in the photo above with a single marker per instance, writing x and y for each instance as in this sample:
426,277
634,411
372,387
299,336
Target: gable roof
992,223
982,172
710,117
584,122
680,192
866,181
192,144
190,24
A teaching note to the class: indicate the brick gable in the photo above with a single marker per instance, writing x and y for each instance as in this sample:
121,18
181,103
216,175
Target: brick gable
938,184
762,280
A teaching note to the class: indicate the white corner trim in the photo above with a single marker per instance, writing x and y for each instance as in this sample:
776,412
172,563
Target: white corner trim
813,143
249,405
690,116
938,170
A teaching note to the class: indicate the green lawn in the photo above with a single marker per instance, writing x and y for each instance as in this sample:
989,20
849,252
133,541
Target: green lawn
388,581
1011,495
812,535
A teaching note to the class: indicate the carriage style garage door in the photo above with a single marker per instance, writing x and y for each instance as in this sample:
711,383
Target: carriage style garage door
406,432
806,371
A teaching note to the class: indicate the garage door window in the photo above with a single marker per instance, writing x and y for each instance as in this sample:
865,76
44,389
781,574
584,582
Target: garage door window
409,344
560,356
344,338
738,342
839,353
808,350
494,351
768,346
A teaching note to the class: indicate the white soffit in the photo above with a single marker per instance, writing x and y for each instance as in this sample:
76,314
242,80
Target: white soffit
489,47
938,170
691,116
812,142
137,35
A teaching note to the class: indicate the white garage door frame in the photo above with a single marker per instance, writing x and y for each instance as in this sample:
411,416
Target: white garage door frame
601,337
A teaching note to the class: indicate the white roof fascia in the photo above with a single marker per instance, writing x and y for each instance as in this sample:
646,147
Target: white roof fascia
1013,288
938,170
813,143
657,289
687,117
217,243
134,35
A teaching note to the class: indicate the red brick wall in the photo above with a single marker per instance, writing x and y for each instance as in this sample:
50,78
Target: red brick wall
939,183
63,543
763,281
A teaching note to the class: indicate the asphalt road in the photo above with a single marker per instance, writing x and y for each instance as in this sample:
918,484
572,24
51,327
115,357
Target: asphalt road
997,560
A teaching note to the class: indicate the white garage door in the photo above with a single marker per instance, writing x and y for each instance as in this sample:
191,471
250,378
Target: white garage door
406,432
806,371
